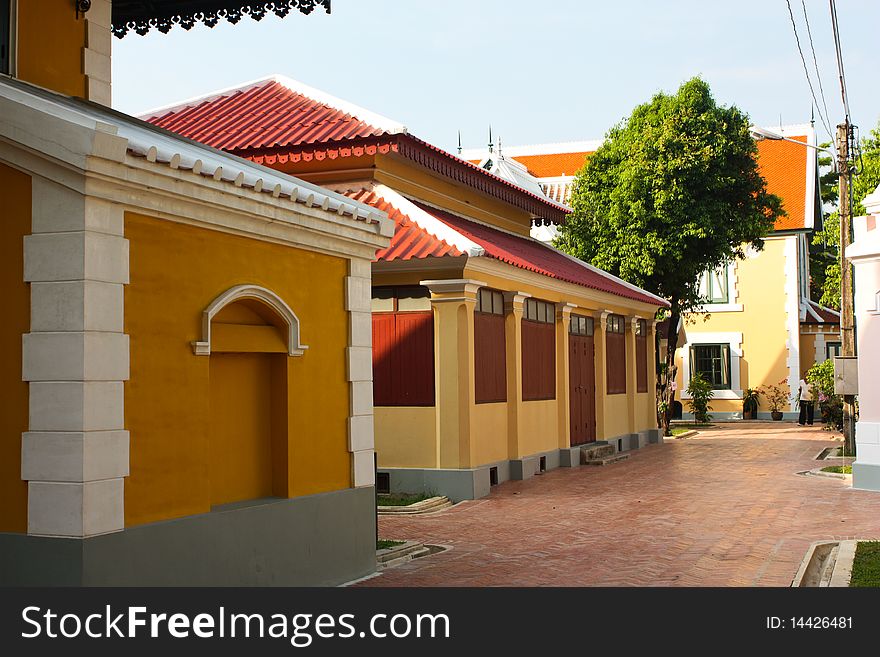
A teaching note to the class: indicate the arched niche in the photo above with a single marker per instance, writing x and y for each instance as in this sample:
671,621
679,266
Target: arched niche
254,293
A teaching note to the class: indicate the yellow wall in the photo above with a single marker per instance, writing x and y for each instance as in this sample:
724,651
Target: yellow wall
761,291
616,417
540,427
406,436
176,271
491,439
50,43
15,223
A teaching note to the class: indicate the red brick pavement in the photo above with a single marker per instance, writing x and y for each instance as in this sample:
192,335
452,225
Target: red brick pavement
724,509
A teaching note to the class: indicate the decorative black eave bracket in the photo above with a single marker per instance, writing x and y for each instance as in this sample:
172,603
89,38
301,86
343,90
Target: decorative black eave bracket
141,16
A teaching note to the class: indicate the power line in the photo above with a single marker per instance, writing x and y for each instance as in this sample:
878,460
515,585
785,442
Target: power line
839,53
806,71
816,66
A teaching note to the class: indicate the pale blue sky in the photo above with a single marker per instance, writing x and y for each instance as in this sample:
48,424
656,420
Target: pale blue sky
557,70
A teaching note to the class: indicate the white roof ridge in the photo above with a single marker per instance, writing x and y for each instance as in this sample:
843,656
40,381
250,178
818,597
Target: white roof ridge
428,223
383,122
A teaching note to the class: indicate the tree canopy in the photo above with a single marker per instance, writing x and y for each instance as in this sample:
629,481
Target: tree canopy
673,191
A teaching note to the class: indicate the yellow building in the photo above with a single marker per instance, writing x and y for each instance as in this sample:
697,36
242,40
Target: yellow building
184,370
494,356
760,326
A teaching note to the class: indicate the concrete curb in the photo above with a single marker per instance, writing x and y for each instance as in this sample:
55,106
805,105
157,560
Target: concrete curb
842,572
686,434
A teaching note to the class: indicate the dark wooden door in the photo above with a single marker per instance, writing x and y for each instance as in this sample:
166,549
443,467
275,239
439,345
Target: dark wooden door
582,388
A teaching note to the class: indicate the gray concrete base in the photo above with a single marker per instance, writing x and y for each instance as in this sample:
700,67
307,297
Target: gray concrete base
456,484
655,436
529,466
865,476
317,540
570,457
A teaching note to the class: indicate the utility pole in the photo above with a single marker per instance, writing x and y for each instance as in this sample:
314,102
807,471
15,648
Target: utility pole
847,332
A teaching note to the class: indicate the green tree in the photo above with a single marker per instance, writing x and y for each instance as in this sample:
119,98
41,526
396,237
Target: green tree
674,191
825,258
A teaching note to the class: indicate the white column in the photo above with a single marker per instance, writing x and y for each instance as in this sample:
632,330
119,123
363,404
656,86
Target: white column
75,359
361,443
96,54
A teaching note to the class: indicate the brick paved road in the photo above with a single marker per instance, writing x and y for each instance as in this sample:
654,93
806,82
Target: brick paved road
724,509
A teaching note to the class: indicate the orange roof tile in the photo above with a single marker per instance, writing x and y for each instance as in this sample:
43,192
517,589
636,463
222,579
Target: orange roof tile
782,164
551,165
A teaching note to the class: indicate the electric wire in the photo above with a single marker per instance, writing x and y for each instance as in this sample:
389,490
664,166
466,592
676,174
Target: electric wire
839,53
806,70
827,121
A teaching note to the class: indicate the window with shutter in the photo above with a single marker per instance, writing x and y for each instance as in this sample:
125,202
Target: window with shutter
538,350
403,347
713,362
490,351
615,355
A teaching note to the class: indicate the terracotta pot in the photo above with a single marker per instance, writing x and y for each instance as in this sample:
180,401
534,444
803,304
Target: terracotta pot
776,415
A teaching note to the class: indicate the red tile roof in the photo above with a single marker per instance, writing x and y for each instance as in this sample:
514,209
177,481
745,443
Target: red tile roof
410,240
818,314
553,165
274,121
265,115
535,256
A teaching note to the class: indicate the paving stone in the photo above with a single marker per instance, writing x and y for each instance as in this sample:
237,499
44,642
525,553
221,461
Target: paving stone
722,510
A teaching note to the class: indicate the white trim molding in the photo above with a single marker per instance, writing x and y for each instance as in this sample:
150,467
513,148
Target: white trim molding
735,341
359,366
792,314
255,292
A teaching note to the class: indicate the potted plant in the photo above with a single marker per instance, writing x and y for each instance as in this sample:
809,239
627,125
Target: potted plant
701,393
750,404
777,398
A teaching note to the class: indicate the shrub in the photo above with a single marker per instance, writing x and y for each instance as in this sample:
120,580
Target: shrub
821,376
701,394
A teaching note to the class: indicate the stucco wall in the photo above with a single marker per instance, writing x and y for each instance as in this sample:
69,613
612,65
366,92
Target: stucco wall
763,322
50,43
15,192
406,436
176,271
616,416
491,434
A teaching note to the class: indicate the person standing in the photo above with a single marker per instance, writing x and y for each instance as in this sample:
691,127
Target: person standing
806,403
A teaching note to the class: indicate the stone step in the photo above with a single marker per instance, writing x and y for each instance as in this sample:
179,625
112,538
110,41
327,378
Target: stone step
596,452
430,505
607,460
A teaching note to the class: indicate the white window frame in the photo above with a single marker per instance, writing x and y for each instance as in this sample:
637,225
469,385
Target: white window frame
734,340
732,295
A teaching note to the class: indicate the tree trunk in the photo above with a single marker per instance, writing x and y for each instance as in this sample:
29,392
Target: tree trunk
664,388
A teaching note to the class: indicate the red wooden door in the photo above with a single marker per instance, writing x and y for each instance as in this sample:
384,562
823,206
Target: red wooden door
582,389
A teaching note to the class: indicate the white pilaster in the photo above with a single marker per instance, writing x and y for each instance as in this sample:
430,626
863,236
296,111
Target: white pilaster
75,358
359,360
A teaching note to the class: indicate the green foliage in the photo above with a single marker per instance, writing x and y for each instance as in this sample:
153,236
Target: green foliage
672,192
776,395
750,400
701,393
821,376
838,469
866,565
824,257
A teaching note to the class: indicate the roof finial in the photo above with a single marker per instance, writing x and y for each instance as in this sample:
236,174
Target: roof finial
813,115
499,145
459,142
490,138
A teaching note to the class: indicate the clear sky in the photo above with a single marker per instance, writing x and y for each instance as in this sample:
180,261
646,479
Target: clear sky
538,71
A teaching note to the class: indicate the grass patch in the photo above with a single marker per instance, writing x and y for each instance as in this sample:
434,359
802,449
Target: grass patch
402,499
383,544
838,469
866,565
678,432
